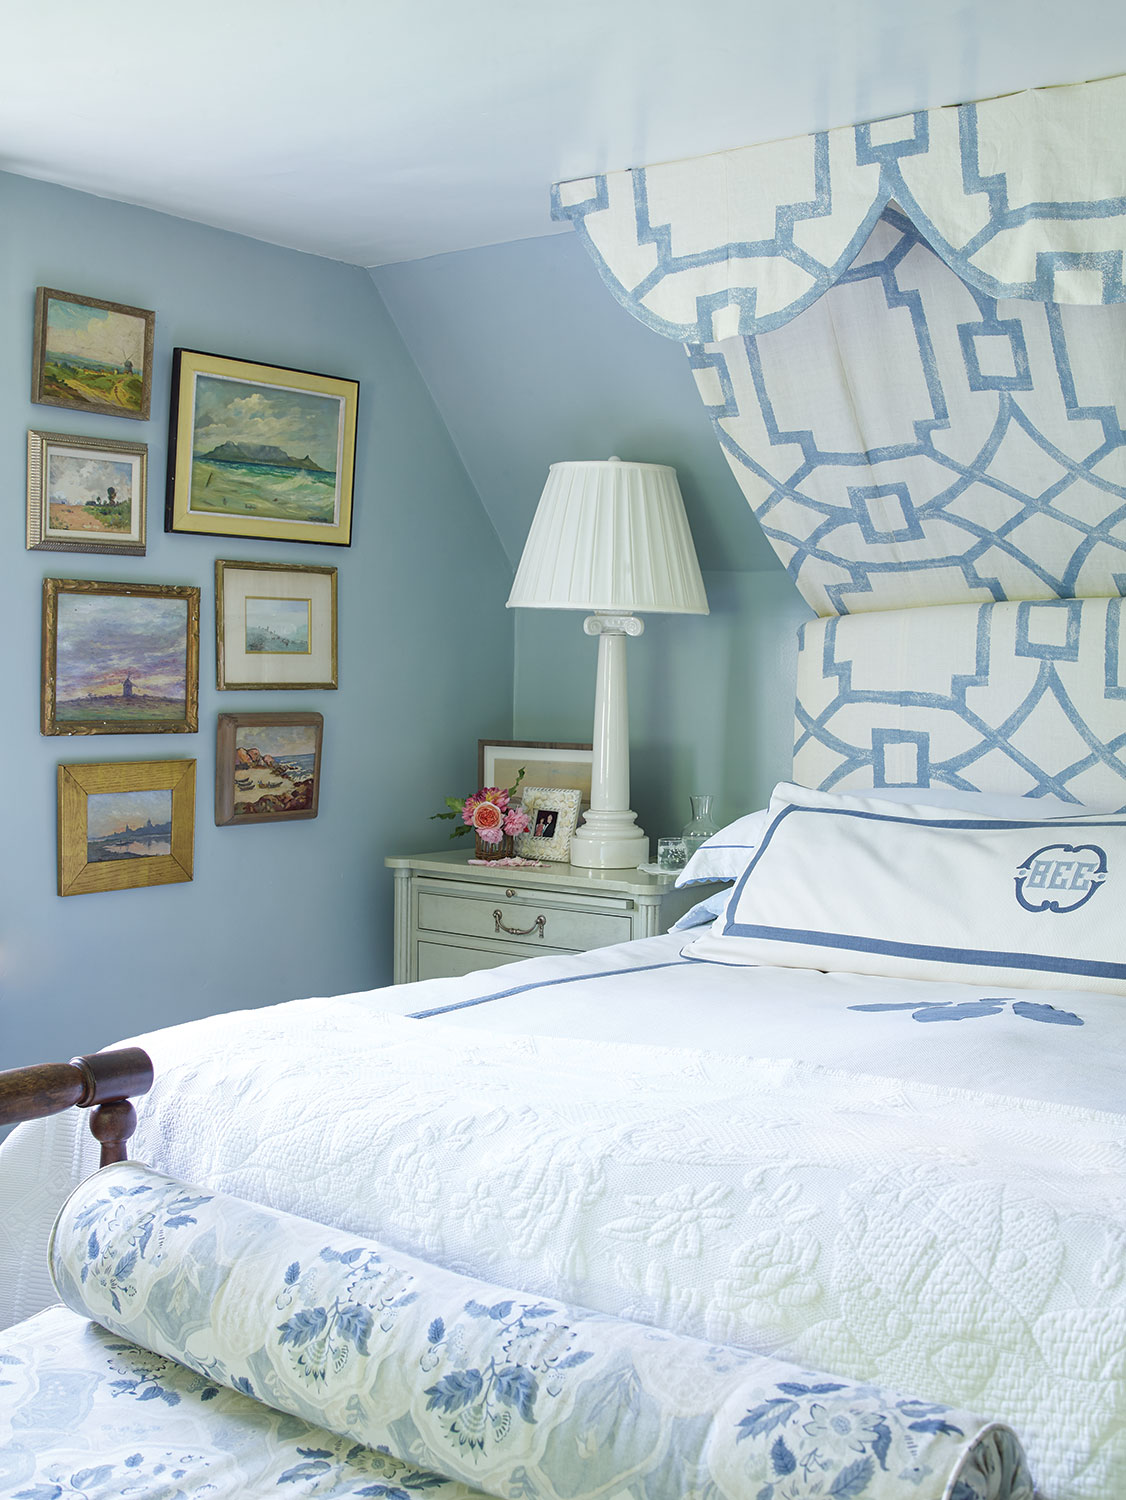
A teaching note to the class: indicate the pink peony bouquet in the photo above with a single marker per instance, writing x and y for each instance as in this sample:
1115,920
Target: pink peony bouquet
490,814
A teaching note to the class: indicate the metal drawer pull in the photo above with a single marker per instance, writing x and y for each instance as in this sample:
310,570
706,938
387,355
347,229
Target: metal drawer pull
537,926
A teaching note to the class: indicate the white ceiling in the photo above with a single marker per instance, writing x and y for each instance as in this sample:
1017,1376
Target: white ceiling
376,131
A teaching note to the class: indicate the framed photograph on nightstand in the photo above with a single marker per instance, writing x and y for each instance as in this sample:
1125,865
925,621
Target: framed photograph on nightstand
547,763
552,813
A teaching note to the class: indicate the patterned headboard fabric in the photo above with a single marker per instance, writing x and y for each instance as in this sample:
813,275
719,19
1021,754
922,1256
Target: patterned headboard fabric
1028,698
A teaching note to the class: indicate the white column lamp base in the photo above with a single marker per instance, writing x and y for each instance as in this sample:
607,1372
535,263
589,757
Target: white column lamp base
609,838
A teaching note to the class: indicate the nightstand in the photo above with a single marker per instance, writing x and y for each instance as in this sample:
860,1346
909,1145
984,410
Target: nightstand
452,917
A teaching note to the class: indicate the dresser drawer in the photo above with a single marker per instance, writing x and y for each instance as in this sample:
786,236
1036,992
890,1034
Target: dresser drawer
522,920
446,961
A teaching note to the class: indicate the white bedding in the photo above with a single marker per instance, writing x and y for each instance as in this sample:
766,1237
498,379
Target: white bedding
934,1194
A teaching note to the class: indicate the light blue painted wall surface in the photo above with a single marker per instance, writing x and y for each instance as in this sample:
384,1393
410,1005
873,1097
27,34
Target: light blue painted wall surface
531,360
286,909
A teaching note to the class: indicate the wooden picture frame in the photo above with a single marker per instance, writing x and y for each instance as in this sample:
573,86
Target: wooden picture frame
85,494
275,625
124,824
267,767
553,813
226,479
129,658
555,763
86,352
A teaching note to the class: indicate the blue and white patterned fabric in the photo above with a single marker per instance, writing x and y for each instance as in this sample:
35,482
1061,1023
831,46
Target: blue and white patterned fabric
512,1393
905,429
1027,698
910,891
1024,196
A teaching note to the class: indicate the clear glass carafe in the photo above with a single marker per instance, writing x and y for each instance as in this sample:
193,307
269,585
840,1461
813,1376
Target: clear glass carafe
701,825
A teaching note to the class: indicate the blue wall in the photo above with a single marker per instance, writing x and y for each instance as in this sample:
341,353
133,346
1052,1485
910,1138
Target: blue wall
426,648
531,360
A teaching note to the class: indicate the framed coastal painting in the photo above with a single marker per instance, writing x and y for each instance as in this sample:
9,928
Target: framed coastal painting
275,625
119,658
85,494
267,767
91,355
124,824
260,451
552,813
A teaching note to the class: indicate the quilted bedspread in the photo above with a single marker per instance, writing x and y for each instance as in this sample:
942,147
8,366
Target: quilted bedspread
969,1248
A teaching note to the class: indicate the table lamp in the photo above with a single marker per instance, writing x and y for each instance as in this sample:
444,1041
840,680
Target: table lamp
611,537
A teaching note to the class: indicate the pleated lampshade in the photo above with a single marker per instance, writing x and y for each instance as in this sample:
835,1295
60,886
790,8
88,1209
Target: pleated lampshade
609,535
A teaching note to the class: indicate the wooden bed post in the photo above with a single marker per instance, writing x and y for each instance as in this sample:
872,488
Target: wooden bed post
101,1082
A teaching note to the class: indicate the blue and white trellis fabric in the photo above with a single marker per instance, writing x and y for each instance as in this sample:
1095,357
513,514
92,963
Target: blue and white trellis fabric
1024,196
904,437
1019,697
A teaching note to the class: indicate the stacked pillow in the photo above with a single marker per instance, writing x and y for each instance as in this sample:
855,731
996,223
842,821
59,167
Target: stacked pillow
972,887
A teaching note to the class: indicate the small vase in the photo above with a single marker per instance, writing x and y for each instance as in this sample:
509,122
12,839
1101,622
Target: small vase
701,825
501,850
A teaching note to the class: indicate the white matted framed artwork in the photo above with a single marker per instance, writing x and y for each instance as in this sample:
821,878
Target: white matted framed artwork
553,812
546,763
275,625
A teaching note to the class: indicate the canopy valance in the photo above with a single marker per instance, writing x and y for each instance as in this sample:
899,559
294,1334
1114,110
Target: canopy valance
1018,195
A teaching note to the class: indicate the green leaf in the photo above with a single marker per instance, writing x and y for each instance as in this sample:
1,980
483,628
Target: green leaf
442,815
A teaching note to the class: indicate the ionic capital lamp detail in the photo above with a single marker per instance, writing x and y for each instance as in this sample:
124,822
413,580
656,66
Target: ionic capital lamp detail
610,537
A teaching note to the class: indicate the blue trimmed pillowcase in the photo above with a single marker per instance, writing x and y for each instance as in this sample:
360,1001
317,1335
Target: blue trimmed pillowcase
921,891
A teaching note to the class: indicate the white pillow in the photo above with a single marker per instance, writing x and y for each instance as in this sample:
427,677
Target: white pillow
726,853
847,883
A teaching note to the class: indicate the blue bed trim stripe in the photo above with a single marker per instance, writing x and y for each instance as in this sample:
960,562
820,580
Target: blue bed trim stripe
539,984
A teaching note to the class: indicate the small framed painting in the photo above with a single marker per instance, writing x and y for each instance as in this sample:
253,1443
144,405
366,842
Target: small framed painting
85,494
275,625
91,355
267,767
552,813
124,824
257,450
119,658
548,763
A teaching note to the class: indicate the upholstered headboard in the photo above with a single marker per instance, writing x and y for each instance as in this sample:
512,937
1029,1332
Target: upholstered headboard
1023,697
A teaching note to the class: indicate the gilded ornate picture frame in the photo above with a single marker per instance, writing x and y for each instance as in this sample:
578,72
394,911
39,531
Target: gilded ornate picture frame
85,494
119,658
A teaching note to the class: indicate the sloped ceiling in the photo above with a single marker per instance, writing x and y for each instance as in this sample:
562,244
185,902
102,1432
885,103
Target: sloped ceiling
375,131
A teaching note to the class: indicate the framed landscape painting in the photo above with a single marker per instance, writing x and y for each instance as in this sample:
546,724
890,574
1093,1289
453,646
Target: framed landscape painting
267,767
124,824
275,625
85,494
92,355
260,451
119,658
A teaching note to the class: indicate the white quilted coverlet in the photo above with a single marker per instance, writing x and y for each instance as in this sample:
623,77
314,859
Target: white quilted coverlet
961,1247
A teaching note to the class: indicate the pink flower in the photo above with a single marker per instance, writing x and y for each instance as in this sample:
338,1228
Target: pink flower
516,821
487,815
490,835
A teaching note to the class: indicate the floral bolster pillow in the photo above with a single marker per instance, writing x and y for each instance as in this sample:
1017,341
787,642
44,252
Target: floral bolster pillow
509,1392
855,884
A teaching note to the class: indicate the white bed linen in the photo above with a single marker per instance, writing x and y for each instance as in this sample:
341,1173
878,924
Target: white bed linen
934,1195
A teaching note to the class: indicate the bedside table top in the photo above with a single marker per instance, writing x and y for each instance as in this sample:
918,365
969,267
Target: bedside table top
455,862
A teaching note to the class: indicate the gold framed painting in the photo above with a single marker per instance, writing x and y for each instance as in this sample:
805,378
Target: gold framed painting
91,355
119,658
267,767
275,625
124,824
260,451
85,494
